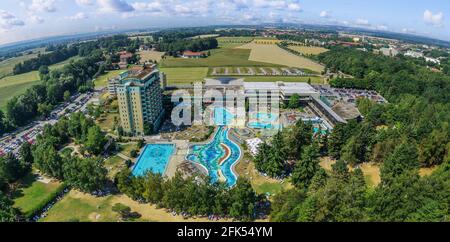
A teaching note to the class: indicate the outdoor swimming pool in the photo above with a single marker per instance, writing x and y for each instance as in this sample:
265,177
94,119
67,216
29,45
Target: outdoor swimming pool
221,154
264,121
222,116
154,158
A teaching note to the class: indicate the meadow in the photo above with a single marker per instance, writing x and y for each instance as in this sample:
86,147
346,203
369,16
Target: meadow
308,50
14,85
102,81
219,58
275,55
33,194
6,66
185,75
150,55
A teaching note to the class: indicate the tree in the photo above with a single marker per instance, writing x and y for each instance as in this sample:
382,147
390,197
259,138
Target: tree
306,167
66,96
95,141
403,158
243,200
26,158
7,212
47,159
45,109
2,125
88,175
10,167
294,101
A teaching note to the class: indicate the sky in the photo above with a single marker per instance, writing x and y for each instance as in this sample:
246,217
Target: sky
32,19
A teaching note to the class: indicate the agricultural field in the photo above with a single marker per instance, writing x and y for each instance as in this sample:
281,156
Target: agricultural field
147,38
150,55
6,66
314,79
185,74
308,50
256,71
219,58
275,55
231,42
33,193
11,86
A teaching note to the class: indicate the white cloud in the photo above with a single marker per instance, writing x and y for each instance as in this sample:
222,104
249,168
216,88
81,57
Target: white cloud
382,27
433,19
325,14
114,6
34,19
362,22
85,2
78,16
154,6
409,30
42,6
294,7
9,21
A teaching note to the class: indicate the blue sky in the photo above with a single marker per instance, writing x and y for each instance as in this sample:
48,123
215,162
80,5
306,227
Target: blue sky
30,19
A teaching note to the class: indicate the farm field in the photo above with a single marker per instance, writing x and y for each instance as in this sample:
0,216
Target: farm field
314,79
275,55
102,81
6,66
231,42
185,75
308,50
33,193
11,86
219,58
150,55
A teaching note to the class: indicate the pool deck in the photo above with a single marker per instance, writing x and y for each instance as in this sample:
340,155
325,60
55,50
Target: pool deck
181,150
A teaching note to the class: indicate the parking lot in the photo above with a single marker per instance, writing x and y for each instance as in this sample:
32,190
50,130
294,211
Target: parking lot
11,143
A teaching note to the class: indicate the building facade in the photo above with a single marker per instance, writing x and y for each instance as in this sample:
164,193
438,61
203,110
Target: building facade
139,96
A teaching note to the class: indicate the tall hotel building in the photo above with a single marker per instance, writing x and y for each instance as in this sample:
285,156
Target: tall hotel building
139,95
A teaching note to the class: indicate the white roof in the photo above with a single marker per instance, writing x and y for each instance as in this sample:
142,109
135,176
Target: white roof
285,87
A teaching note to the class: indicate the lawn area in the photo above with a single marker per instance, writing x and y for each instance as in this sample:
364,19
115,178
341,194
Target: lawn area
260,183
219,58
185,75
127,148
314,79
150,55
34,193
106,121
114,164
7,92
308,50
275,55
77,206
102,81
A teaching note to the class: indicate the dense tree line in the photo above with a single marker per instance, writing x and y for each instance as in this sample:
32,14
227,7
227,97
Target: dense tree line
86,174
192,196
61,53
178,46
409,132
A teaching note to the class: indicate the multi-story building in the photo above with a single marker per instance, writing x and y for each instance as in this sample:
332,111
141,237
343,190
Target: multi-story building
139,96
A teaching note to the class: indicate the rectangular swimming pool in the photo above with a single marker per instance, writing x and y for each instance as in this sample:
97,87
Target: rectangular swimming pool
154,158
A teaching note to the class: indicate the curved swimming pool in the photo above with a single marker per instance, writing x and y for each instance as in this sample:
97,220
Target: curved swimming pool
218,156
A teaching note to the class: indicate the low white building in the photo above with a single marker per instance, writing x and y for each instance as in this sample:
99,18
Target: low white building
414,54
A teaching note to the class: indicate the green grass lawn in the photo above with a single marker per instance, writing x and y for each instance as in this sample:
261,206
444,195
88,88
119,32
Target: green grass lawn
272,188
185,74
314,79
33,194
127,148
102,81
15,85
219,58
114,164
84,209
6,66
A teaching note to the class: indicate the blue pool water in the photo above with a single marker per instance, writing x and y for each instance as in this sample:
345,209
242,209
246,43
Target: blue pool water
264,121
222,116
154,158
210,154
